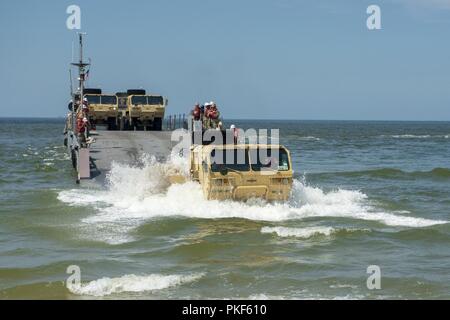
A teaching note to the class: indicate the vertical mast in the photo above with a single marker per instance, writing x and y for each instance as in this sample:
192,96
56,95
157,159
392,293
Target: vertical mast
81,67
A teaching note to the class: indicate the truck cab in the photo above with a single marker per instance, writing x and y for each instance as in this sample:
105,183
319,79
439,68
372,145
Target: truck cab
103,108
242,171
144,111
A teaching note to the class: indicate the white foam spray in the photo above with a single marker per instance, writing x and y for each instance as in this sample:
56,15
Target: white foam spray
307,232
132,283
139,193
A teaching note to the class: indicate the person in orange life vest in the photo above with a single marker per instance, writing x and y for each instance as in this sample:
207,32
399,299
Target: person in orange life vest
214,115
85,109
196,113
81,127
86,105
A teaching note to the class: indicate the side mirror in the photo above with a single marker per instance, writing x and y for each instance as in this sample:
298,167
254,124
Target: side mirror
166,102
224,171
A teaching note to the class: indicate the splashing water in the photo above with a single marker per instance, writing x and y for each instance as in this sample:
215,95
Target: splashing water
308,232
138,193
132,283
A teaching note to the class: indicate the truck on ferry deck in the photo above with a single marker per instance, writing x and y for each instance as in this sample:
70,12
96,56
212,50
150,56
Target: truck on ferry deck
143,111
103,108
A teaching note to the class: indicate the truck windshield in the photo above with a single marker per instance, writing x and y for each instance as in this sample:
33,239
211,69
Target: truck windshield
231,159
92,99
138,100
269,159
109,100
155,100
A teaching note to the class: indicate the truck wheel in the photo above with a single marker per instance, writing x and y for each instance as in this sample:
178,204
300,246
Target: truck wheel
135,124
111,124
157,124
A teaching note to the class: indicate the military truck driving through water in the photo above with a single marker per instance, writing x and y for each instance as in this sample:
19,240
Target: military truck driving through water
229,168
242,171
143,111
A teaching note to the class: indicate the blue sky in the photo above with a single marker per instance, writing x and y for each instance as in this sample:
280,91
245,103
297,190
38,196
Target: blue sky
285,59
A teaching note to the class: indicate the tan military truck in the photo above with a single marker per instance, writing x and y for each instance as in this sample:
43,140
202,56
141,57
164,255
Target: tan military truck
143,111
103,108
242,171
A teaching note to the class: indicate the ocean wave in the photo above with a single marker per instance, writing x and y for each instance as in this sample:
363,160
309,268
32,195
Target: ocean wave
308,232
131,283
417,136
137,194
309,138
393,173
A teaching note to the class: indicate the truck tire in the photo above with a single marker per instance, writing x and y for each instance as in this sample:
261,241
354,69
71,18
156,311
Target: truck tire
127,125
121,124
112,124
157,124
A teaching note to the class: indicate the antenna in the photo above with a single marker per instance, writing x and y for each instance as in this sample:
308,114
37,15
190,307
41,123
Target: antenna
71,85
81,66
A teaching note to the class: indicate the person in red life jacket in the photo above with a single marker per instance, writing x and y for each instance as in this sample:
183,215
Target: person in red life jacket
207,109
215,111
85,109
86,105
196,113
214,115
81,127
82,123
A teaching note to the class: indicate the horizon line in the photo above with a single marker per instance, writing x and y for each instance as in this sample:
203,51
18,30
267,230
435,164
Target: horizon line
252,119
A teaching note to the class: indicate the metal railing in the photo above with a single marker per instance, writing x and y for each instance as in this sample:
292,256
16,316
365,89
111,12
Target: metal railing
176,121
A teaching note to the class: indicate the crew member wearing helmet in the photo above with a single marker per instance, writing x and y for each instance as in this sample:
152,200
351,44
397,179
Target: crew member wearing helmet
86,105
206,118
214,115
